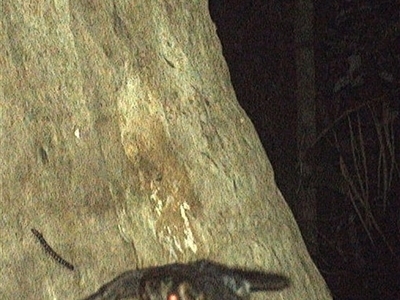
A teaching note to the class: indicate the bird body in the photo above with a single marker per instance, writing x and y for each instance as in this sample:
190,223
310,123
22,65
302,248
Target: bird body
198,280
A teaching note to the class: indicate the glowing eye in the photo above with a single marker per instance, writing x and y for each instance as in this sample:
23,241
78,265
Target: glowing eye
173,297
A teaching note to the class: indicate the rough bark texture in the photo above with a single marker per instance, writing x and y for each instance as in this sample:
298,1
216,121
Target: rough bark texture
123,144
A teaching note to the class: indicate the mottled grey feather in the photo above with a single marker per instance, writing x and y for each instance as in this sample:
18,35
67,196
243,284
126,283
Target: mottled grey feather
199,280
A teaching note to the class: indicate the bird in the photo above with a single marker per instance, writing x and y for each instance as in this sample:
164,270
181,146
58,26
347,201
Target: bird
197,280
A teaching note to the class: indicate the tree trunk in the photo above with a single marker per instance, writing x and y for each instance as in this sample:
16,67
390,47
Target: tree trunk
123,146
306,208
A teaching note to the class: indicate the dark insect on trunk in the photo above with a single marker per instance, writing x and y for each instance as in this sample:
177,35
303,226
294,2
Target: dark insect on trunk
50,250
199,280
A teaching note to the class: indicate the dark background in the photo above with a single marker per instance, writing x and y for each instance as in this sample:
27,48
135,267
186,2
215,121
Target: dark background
355,157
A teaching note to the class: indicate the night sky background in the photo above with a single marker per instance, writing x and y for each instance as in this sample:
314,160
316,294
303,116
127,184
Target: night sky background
355,158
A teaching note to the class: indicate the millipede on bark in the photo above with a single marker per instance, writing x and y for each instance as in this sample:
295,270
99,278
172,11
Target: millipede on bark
50,250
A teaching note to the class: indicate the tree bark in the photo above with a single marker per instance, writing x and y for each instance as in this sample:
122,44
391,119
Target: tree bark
306,208
123,146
